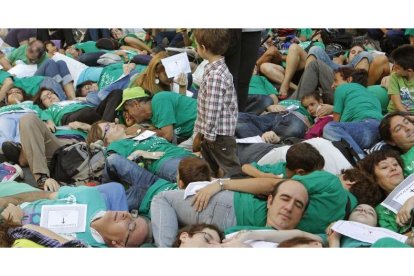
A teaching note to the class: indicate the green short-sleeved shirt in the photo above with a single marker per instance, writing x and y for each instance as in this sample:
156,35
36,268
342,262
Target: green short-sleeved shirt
276,169
260,85
382,95
169,108
403,87
409,32
354,103
24,106
307,33
20,54
9,188
88,47
408,160
327,201
113,72
125,147
249,210
31,84
302,110
58,110
4,75
387,219
159,186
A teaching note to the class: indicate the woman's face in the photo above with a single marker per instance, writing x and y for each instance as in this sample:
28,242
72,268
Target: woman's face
48,98
311,105
365,214
111,132
402,133
388,174
204,238
117,33
14,96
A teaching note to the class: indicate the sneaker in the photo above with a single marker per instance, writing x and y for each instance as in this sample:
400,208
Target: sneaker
9,172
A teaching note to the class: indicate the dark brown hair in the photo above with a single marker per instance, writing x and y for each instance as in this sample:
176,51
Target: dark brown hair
37,100
194,229
192,169
304,156
215,41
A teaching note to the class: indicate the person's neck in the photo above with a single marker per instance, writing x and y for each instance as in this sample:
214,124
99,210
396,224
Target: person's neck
212,58
410,76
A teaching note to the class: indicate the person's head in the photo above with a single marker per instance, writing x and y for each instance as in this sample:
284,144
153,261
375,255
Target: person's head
360,76
354,51
50,47
5,239
121,229
192,169
35,51
198,235
117,33
385,166
286,204
137,102
45,98
303,158
403,58
212,41
15,95
397,129
365,214
85,87
300,242
312,102
154,78
342,75
73,51
105,131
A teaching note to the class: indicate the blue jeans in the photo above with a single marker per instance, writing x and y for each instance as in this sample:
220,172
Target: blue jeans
169,210
283,124
114,196
58,70
95,34
320,54
50,83
169,167
359,135
257,104
138,180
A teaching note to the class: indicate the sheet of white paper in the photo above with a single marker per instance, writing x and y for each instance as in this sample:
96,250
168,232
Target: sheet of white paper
250,140
365,233
145,135
75,67
193,187
176,65
64,218
255,244
400,194
22,70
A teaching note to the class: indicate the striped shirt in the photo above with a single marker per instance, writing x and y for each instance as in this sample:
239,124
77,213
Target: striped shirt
217,102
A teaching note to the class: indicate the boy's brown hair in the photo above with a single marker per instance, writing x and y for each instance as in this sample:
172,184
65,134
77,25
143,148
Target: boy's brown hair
215,41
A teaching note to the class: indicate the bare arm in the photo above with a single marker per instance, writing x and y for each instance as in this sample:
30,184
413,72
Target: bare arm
252,171
276,236
396,99
5,62
24,197
166,132
7,85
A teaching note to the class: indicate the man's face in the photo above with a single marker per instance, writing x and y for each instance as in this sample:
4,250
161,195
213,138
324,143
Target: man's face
34,50
203,238
286,208
354,52
400,71
136,110
338,80
365,214
123,230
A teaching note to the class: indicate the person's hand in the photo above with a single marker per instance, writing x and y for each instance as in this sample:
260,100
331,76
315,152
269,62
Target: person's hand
276,108
146,155
270,137
13,213
202,197
323,110
181,79
51,185
404,214
385,81
128,68
241,236
333,237
51,126
79,125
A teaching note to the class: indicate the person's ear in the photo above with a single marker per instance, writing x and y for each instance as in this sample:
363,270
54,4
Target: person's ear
181,184
300,172
184,236
269,201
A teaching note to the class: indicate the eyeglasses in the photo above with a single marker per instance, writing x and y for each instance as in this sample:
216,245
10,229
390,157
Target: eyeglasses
131,225
207,236
106,129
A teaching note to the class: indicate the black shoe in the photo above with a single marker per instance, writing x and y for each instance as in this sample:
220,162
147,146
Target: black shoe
41,181
11,151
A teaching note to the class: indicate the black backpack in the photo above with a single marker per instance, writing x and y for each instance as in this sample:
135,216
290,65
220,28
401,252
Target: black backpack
77,164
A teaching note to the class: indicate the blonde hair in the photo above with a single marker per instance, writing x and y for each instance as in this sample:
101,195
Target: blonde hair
146,80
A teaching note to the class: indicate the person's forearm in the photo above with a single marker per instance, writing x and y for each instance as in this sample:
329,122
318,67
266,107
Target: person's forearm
24,197
250,170
256,186
7,85
5,63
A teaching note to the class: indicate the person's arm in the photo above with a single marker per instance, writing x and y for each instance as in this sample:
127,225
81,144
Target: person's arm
5,62
252,171
276,236
79,125
166,132
336,117
24,197
404,214
46,232
7,85
396,100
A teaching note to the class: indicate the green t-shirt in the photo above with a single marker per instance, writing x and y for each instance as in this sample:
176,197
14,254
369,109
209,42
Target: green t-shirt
125,147
386,219
354,103
249,227
409,32
159,186
30,84
249,210
88,47
169,108
9,188
70,195
382,95
260,85
403,87
327,201
58,110
21,107
113,72
276,169
301,109
4,75
20,54
408,160
307,33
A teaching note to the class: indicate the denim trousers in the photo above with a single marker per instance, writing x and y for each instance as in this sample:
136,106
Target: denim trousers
169,212
360,135
257,104
137,179
58,70
50,83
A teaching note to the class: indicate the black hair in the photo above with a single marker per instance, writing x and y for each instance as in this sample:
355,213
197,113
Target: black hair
304,156
404,56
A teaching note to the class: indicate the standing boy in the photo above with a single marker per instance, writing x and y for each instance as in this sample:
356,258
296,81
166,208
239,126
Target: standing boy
216,104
